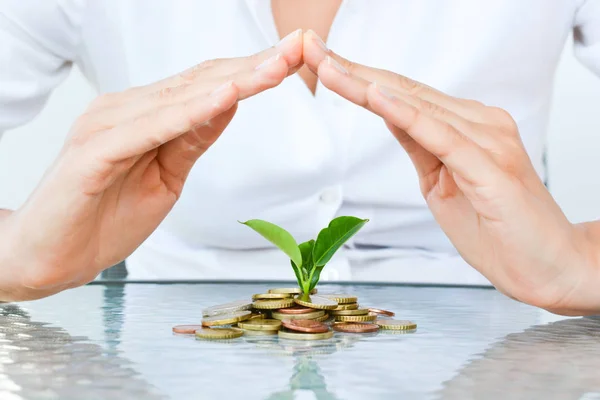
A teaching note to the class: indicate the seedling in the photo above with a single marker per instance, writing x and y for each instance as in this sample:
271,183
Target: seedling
309,258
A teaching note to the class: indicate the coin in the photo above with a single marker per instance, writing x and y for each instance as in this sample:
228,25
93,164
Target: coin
361,311
356,318
381,312
226,319
318,302
304,336
257,316
305,325
267,296
396,324
312,315
218,333
341,298
227,308
349,306
295,310
248,332
272,304
186,329
324,318
295,290
355,328
260,325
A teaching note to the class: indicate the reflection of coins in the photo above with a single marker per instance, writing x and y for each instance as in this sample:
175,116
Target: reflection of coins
295,290
295,310
260,325
318,302
355,328
227,308
270,296
186,329
284,334
305,325
314,314
272,304
396,324
381,312
226,319
341,298
356,318
218,333
361,311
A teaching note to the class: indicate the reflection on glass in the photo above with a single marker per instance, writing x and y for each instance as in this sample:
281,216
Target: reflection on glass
560,360
40,361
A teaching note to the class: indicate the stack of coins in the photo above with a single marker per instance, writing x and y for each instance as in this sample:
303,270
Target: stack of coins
290,314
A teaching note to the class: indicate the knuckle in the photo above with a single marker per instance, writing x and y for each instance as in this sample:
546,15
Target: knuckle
408,85
502,118
432,108
104,100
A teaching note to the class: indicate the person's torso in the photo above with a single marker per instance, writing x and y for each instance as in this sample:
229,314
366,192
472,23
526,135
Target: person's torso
298,160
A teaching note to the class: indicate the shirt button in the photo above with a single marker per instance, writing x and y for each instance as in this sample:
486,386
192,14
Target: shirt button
329,196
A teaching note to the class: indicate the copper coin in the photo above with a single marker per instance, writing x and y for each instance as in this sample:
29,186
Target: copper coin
355,328
382,312
305,325
296,310
186,329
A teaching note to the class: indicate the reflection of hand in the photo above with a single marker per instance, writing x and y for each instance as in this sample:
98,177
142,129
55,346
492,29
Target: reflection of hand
122,169
478,182
555,361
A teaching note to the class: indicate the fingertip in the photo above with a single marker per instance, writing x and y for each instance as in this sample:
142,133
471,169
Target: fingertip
314,50
291,48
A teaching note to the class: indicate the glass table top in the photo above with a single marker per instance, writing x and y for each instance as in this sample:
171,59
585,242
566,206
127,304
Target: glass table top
114,340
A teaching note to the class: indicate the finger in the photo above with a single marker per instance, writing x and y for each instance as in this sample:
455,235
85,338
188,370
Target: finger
315,53
354,88
178,156
249,83
438,137
153,129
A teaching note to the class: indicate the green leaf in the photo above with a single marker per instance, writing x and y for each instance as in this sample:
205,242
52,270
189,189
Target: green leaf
279,237
298,273
314,277
330,239
306,249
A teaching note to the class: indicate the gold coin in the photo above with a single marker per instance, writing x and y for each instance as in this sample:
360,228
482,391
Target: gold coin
272,304
341,298
240,305
322,303
295,290
312,315
260,325
218,333
305,336
349,306
268,296
248,332
361,311
396,324
356,318
322,319
226,319
257,316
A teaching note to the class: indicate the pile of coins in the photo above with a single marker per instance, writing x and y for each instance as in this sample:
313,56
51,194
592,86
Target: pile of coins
288,313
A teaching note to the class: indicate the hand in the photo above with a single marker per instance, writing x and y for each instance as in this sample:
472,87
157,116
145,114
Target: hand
122,169
479,183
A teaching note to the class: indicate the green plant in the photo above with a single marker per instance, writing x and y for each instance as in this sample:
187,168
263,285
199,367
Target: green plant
309,258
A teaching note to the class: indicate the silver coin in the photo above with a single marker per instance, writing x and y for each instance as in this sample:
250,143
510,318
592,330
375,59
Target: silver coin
239,305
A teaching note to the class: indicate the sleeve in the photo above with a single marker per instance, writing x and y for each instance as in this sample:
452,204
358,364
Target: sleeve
587,34
38,42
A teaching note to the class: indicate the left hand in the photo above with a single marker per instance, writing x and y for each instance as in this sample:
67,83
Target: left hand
479,183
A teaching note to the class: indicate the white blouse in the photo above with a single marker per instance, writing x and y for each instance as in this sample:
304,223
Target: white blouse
289,157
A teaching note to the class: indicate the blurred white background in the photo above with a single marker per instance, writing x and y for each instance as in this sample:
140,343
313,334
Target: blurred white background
573,142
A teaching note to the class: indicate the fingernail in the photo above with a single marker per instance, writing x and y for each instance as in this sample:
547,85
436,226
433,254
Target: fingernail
385,92
221,88
318,41
336,65
268,61
289,37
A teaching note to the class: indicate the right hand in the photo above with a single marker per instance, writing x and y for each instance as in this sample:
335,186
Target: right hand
122,169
